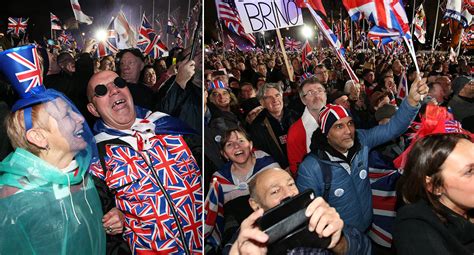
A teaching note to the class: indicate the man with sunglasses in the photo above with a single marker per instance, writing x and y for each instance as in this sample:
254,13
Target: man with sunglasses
146,164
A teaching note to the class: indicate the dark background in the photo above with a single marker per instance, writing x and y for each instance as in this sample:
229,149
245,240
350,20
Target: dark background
101,10
335,6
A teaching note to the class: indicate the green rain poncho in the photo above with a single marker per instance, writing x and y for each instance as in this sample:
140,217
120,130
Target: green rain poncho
46,211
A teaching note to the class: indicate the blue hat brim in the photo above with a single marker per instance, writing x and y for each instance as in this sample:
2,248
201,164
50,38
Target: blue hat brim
46,96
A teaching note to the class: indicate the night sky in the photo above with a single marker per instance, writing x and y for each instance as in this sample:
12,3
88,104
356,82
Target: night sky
101,10
335,6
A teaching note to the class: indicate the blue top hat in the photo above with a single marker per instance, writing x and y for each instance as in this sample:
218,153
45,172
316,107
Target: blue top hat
21,67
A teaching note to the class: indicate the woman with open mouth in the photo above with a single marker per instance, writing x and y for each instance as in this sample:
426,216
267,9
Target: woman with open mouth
226,204
49,205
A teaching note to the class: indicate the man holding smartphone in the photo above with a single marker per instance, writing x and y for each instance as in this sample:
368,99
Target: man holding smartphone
267,190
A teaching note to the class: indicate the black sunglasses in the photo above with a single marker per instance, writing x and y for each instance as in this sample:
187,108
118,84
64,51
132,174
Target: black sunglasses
101,89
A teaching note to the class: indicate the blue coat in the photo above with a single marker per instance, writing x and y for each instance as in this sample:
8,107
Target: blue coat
350,193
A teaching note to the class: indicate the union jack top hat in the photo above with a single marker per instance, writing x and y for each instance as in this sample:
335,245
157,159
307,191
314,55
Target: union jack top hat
21,66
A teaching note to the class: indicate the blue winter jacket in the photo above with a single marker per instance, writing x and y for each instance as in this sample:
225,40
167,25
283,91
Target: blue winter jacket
350,193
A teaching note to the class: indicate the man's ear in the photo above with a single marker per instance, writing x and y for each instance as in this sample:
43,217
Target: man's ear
254,204
91,108
37,137
251,146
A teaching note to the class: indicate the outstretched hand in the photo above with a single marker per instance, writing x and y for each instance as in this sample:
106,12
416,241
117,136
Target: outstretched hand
417,91
186,71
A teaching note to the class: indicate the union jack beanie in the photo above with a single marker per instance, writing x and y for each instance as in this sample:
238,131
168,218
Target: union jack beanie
330,114
216,84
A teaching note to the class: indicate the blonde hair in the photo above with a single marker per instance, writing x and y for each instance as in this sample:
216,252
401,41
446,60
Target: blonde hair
15,125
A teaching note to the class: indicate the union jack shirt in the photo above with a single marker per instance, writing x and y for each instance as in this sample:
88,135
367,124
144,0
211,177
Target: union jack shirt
224,189
158,189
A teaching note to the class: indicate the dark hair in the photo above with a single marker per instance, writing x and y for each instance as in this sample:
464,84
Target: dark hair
228,134
311,80
142,73
135,51
425,159
64,57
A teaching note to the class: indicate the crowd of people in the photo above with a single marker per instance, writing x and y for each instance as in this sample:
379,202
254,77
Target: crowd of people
134,187
104,154
342,138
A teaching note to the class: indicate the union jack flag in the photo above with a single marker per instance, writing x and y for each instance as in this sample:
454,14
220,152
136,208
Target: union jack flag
386,14
334,42
149,42
382,36
65,38
17,26
109,45
347,29
32,74
306,52
402,86
452,126
338,29
171,28
292,44
383,179
228,14
55,22
232,43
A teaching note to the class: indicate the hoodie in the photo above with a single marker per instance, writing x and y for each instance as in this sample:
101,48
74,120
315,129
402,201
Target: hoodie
46,210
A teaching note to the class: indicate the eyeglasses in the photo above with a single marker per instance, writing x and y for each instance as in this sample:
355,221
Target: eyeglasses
314,92
101,89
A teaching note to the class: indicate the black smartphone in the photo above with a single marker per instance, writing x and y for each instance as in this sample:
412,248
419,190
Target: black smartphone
286,217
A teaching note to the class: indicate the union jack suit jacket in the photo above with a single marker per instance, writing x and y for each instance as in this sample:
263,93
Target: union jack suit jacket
158,189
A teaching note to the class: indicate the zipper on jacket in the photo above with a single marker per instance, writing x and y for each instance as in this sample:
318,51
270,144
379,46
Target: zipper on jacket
168,198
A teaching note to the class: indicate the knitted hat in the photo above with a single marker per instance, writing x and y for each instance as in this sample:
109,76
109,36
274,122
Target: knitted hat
459,83
386,111
330,114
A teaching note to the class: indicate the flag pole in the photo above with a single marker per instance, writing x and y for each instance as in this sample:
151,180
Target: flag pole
186,40
413,17
351,43
342,25
285,57
434,32
152,14
167,34
363,31
459,44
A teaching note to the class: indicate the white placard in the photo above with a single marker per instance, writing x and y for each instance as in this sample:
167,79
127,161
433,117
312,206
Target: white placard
263,15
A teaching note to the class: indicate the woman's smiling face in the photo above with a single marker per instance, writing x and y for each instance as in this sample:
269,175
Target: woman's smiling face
238,149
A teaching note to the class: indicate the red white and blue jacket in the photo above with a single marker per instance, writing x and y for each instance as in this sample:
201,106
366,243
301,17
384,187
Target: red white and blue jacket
156,182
